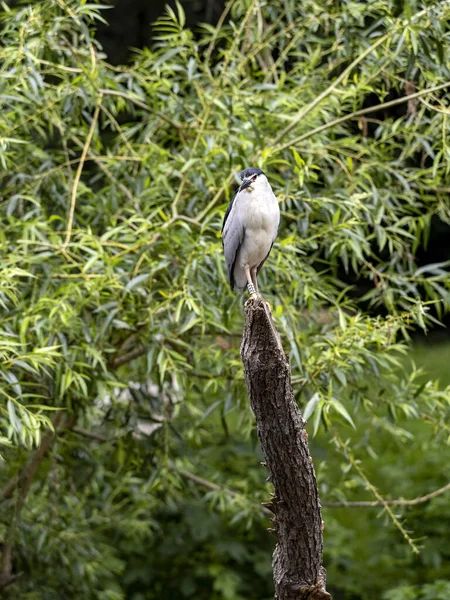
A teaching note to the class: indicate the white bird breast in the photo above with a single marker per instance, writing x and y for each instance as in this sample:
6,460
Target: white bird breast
259,212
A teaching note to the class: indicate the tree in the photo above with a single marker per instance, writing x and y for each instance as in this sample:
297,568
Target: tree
295,505
118,325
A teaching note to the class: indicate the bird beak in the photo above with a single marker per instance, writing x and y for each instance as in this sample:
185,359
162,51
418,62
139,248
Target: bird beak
245,183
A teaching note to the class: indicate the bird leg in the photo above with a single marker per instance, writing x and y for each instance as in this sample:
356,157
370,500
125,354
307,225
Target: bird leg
250,286
254,271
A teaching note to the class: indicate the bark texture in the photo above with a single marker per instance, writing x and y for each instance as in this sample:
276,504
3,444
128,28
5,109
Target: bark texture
297,559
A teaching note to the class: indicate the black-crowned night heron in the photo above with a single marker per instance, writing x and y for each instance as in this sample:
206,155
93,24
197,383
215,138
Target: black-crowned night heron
249,229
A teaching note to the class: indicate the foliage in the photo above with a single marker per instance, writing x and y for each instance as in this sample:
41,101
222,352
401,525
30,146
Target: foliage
435,591
117,311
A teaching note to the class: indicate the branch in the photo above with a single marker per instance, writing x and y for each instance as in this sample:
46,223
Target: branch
147,108
297,559
8,579
342,504
23,481
217,30
330,89
26,477
373,489
10,487
118,361
368,504
360,113
98,161
79,171
210,485
98,437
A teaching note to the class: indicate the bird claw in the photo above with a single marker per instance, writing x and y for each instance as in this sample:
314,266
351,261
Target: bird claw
252,298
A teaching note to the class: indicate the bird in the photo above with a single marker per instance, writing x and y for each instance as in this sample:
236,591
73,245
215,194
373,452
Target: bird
249,229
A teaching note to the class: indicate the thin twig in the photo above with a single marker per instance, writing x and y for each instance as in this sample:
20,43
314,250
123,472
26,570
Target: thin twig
209,485
264,42
118,361
79,171
10,487
89,434
26,477
147,108
119,130
217,29
319,129
7,491
56,65
7,580
221,191
370,504
359,113
23,481
126,97
108,173
437,424
330,89
358,504
380,499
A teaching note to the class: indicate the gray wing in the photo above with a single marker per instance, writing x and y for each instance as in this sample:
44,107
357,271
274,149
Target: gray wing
270,249
266,257
233,232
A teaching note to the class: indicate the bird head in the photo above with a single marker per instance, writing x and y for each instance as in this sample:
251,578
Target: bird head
250,176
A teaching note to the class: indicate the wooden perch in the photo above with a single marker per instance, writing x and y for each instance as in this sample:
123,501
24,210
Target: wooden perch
297,559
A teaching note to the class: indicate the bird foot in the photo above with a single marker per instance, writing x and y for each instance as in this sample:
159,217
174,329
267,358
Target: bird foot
251,300
253,297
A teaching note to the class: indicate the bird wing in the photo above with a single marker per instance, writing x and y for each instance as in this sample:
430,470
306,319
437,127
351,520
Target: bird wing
263,261
233,233
270,249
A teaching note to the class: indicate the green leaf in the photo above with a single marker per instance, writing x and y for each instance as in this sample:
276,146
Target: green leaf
136,281
311,405
340,408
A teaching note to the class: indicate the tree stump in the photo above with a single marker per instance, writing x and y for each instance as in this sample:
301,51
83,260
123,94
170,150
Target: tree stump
297,560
